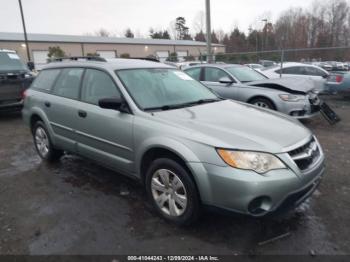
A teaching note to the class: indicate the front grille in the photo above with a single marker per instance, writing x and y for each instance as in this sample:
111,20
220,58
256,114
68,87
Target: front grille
13,77
306,155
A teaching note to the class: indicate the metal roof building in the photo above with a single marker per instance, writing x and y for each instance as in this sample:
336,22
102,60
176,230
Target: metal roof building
108,47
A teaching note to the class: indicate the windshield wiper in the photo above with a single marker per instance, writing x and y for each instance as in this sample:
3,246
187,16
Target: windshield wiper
177,106
206,101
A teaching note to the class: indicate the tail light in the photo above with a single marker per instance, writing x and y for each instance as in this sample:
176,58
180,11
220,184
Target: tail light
24,94
339,79
336,78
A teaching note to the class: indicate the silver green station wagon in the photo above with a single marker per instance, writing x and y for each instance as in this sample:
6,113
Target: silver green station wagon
189,148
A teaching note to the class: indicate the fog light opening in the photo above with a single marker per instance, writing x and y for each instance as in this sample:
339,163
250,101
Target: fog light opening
298,113
259,205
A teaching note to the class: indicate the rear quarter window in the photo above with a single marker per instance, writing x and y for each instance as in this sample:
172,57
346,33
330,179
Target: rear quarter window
45,80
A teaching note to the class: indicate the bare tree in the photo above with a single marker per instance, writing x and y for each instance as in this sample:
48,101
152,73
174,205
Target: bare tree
103,32
199,22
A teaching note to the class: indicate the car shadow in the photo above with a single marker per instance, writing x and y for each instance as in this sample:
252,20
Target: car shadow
212,227
6,116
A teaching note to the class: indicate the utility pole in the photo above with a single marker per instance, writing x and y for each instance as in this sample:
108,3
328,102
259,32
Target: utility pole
265,34
208,18
24,30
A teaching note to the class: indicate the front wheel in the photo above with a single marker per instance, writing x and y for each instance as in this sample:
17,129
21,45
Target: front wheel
263,102
172,192
43,144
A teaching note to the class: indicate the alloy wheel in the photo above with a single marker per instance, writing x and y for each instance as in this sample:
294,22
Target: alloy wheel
261,104
169,192
42,141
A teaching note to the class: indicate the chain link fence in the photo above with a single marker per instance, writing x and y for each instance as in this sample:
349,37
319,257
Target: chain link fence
305,55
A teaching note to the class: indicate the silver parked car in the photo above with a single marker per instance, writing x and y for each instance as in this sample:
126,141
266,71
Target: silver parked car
187,146
317,74
294,97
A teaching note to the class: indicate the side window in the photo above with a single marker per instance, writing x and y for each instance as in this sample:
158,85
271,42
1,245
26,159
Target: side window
312,71
290,71
68,83
195,73
98,85
214,74
45,80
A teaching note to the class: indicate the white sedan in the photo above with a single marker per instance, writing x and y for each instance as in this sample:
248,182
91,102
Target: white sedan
317,74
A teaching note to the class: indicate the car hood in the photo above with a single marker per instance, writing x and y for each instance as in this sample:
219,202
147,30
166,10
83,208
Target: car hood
289,84
235,125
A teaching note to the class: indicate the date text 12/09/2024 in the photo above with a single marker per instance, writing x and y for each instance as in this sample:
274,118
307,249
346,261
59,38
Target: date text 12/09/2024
172,258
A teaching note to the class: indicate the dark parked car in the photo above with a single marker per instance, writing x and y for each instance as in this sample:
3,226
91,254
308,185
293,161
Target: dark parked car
15,77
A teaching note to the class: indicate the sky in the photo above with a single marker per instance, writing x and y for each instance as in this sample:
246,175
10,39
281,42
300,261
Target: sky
77,17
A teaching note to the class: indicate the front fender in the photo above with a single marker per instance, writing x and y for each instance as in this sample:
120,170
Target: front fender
193,163
167,143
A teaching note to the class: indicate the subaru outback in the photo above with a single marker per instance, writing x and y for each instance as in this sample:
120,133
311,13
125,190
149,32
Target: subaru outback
188,147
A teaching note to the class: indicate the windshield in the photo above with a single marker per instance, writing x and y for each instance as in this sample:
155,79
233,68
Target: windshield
245,74
164,89
11,62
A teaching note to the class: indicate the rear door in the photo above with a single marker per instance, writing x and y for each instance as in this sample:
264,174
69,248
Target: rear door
211,78
104,135
62,106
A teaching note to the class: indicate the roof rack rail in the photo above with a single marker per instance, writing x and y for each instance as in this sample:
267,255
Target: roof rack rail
76,58
146,59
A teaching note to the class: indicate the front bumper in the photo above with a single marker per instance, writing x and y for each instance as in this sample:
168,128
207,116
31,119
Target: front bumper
249,193
303,109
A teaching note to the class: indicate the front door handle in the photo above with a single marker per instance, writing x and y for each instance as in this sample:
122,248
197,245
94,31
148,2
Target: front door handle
47,104
82,113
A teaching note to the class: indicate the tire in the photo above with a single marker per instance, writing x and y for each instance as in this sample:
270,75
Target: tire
180,206
43,144
263,102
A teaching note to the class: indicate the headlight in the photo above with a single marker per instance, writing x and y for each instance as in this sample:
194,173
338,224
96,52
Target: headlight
258,162
28,75
291,98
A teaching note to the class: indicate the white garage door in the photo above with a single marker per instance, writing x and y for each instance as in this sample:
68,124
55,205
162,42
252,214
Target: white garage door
106,54
181,55
162,55
40,59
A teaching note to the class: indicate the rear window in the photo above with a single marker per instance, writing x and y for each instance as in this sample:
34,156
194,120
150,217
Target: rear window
68,83
11,62
45,80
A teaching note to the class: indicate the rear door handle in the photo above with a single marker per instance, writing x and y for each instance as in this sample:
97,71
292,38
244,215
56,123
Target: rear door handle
47,104
82,113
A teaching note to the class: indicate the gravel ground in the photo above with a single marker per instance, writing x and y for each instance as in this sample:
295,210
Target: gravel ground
77,207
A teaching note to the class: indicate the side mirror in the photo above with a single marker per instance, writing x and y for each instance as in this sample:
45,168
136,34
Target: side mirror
117,104
225,80
31,66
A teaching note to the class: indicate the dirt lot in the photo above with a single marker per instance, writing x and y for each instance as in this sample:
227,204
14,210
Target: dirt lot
77,207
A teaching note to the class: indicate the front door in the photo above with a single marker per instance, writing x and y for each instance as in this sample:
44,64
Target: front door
104,135
211,78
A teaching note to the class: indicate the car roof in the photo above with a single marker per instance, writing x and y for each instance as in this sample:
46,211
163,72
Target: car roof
223,66
112,64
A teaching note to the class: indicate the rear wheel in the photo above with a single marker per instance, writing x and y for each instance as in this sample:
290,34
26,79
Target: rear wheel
263,102
172,191
43,144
